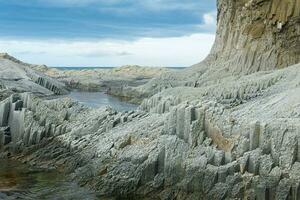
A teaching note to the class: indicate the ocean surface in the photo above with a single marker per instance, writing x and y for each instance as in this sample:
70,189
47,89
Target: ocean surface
91,68
81,68
19,181
99,99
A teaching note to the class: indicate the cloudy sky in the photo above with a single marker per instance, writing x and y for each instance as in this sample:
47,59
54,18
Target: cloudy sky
108,32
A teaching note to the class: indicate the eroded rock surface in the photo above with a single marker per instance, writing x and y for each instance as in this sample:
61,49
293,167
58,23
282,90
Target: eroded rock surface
238,142
256,35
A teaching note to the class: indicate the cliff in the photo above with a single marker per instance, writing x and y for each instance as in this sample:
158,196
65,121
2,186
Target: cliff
257,35
252,36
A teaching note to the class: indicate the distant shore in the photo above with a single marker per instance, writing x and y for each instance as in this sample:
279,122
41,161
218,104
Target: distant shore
116,81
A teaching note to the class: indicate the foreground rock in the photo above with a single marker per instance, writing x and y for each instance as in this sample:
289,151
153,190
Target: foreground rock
239,142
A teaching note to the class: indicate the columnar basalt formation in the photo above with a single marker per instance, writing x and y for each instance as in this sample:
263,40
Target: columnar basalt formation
12,116
238,142
247,129
256,35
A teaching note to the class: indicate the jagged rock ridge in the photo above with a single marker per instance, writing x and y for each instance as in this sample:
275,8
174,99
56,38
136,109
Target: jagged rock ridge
233,140
21,77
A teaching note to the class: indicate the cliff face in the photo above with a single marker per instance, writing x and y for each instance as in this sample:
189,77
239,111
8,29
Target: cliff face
252,36
256,35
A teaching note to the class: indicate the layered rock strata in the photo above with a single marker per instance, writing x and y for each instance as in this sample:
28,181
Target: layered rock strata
12,118
257,35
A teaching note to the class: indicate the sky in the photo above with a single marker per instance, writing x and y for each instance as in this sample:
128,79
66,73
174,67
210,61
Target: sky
171,33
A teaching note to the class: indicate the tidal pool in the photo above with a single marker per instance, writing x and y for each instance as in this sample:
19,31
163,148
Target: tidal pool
19,181
99,99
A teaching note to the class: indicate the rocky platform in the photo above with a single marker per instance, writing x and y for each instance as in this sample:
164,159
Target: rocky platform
227,128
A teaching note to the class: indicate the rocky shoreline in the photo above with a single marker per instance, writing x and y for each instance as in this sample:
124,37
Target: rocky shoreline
116,82
227,128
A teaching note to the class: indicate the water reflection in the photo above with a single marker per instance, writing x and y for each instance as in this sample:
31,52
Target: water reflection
18,181
98,99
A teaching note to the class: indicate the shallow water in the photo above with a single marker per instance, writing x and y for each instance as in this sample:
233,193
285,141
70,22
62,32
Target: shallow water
99,99
19,181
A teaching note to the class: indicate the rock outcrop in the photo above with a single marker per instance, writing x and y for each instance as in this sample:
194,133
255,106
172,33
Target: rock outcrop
12,118
257,35
233,140
18,77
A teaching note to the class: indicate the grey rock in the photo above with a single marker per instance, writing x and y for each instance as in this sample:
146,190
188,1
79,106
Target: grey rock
21,77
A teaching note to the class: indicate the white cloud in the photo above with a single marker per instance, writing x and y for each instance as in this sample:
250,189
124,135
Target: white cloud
210,18
209,21
174,51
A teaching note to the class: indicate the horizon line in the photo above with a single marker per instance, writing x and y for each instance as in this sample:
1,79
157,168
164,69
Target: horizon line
116,66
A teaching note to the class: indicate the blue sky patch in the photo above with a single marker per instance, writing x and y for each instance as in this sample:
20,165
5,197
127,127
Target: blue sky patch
121,19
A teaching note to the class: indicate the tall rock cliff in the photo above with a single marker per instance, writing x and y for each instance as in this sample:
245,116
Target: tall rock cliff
252,36
256,35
